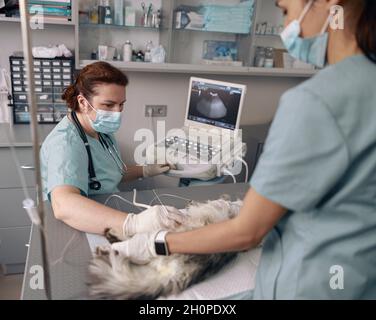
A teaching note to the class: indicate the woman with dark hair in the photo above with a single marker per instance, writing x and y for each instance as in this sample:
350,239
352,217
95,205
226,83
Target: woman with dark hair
80,157
312,200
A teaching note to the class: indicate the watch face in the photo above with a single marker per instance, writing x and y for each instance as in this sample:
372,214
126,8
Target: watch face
160,248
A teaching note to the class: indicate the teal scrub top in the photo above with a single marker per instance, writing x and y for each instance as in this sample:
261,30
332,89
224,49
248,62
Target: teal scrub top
64,161
319,162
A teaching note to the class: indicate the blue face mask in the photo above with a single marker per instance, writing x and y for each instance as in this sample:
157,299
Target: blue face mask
105,121
310,50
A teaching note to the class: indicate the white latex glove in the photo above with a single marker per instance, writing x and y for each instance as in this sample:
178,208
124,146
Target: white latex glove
139,249
152,170
155,218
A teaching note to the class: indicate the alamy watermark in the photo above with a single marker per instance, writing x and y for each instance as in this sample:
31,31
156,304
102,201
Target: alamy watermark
36,281
37,19
337,278
337,17
188,147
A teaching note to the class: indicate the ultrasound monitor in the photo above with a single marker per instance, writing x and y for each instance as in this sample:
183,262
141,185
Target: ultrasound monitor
214,103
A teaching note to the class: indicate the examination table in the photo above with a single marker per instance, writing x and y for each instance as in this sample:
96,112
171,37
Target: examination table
69,275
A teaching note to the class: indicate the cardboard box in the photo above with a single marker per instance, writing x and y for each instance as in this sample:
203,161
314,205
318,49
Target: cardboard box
278,58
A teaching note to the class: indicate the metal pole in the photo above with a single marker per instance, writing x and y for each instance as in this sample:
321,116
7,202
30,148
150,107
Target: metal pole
26,41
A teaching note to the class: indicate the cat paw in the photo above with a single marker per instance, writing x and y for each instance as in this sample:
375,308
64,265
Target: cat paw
112,236
103,250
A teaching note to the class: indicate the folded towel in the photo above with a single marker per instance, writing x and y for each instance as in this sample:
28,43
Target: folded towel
225,18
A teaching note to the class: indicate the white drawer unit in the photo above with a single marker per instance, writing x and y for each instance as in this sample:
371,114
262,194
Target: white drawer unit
13,248
8,170
14,222
12,213
46,63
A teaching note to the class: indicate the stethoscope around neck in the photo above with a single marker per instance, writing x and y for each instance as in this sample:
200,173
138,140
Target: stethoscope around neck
104,139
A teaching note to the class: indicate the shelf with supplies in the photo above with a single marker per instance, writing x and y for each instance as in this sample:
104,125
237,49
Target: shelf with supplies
47,21
204,69
51,77
207,42
110,26
208,31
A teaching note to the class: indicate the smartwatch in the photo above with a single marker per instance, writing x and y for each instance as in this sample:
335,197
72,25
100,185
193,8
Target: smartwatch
160,244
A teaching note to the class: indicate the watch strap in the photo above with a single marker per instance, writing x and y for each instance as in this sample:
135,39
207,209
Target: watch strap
160,243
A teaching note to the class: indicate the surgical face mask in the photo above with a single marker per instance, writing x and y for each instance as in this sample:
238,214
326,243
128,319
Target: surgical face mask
105,121
310,50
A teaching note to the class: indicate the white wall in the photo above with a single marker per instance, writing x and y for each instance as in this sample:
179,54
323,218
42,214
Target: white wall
10,38
157,88
171,89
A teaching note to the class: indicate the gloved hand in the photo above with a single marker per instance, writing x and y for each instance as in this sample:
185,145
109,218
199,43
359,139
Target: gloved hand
139,249
155,218
152,170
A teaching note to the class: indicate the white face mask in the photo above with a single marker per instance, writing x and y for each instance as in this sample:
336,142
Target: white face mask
310,50
105,121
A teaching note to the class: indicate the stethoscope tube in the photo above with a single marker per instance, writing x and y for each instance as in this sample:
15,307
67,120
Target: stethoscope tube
94,184
115,156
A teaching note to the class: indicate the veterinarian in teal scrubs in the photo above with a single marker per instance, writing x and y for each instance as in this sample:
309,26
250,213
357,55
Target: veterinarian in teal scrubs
313,194
96,100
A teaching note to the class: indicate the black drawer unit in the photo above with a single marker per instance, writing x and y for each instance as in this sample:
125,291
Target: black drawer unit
51,77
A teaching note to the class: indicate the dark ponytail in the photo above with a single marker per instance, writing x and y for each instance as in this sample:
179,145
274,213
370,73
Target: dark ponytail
89,77
366,29
70,97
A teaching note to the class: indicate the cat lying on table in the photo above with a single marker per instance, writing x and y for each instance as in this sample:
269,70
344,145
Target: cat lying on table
115,277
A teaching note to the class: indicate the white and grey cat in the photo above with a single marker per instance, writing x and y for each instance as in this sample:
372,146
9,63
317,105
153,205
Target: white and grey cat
116,277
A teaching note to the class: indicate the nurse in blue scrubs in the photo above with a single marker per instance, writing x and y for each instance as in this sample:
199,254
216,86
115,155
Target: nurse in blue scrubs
96,101
313,194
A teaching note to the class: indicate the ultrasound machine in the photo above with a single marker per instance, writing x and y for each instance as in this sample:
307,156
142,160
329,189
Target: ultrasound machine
210,143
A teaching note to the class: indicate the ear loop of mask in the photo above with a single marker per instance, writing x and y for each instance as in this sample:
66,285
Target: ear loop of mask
89,104
305,11
326,25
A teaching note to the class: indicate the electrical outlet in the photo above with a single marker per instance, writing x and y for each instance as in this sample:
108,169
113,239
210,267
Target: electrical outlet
155,111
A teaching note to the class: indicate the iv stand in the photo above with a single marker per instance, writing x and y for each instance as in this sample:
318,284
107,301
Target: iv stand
26,41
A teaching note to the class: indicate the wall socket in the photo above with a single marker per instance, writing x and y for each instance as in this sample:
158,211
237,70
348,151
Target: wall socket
155,111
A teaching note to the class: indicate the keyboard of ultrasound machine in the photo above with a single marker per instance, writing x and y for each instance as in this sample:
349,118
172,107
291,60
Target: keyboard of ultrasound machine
191,147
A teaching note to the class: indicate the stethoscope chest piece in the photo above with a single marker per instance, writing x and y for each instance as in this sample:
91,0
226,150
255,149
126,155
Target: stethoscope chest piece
95,185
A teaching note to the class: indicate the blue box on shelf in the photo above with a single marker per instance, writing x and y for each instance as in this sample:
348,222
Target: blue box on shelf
220,50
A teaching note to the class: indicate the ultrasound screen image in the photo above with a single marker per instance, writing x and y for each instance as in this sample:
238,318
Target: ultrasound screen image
214,104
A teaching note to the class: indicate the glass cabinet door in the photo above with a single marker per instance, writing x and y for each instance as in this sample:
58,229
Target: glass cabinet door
212,32
106,26
230,36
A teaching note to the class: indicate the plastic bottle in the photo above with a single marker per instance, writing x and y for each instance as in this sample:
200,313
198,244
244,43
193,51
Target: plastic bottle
260,57
94,55
94,14
127,51
149,46
119,12
159,19
101,11
269,58
108,13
